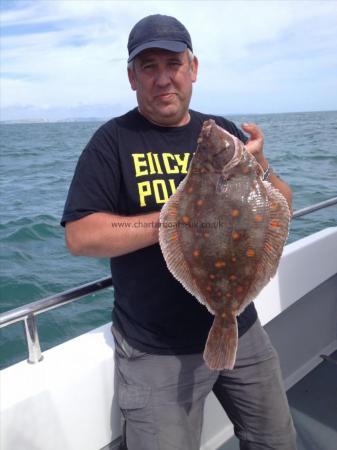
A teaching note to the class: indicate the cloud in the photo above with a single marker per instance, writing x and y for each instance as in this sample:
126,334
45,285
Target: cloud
253,54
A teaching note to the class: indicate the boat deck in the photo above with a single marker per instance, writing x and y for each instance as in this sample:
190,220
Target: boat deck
313,403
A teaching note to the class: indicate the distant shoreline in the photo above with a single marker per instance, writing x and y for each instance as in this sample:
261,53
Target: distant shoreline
32,121
104,119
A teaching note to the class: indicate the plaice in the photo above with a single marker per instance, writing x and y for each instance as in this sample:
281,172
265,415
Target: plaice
222,234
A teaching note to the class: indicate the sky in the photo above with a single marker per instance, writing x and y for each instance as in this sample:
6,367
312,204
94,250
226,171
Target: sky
67,59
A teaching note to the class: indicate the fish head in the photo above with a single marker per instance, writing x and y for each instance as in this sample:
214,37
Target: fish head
216,148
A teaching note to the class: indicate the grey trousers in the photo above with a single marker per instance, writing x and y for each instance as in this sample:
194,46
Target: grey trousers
162,397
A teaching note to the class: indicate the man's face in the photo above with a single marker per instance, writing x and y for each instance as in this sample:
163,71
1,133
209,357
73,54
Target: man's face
163,83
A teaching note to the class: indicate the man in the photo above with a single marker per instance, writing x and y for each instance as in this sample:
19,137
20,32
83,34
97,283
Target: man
128,170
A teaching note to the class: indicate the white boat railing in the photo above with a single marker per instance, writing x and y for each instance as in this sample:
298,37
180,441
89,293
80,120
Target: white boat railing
315,207
27,313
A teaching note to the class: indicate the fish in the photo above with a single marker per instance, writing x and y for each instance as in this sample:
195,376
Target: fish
222,235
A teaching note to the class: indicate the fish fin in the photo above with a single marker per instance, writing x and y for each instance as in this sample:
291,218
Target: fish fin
279,219
222,343
171,248
276,236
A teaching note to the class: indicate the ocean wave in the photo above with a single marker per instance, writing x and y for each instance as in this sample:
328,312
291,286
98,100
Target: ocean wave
17,292
40,227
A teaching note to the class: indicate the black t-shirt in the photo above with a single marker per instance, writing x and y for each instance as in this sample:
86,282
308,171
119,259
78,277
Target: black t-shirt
130,167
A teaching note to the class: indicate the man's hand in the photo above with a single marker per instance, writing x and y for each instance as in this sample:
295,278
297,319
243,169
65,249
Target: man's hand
255,143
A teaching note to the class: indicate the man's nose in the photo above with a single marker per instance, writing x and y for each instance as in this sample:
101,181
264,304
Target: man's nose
163,77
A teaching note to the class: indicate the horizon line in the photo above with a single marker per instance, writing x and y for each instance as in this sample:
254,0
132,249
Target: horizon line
104,118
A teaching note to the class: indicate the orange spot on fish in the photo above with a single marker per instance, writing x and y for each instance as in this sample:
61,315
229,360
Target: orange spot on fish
250,252
235,213
174,236
275,223
185,219
206,235
245,170
274,206
190,190
196,253
239,289
233,258
258,218
219,264
209,288
200,202
236,236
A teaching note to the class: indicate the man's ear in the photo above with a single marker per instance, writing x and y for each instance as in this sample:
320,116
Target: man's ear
132,79
194,69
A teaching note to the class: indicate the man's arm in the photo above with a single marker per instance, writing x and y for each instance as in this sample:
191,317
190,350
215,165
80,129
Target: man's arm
255,147
107,235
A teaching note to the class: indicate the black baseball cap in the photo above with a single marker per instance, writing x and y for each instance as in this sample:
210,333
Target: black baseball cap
158,31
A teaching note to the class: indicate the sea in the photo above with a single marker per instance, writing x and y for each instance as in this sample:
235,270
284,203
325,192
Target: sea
37,165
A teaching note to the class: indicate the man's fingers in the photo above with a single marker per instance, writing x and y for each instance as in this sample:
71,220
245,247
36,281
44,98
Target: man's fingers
253,130
255,142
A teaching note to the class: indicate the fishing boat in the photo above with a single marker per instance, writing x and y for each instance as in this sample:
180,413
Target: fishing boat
64,398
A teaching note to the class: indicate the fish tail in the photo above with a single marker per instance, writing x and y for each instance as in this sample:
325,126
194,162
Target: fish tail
222,343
